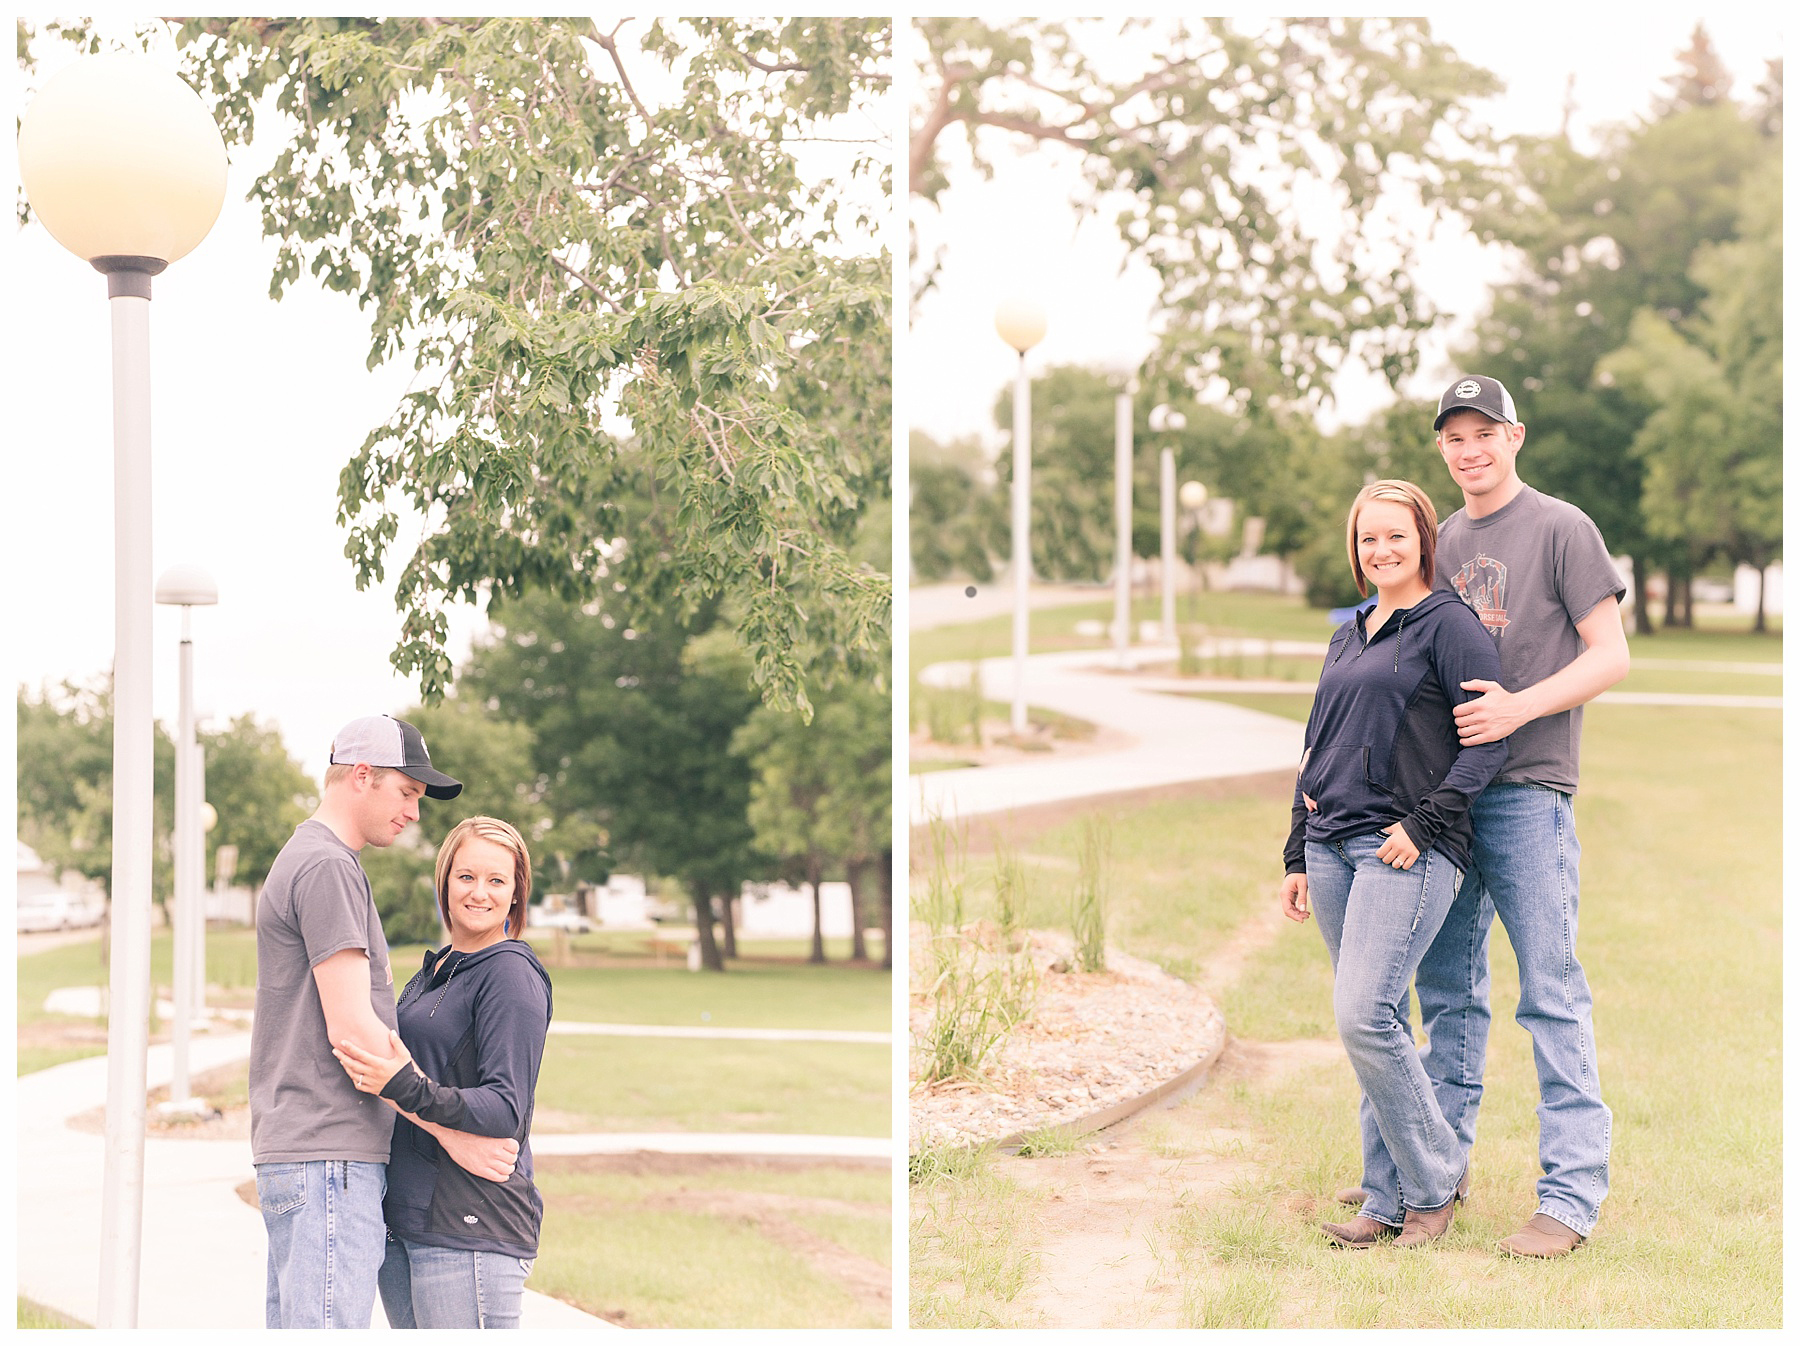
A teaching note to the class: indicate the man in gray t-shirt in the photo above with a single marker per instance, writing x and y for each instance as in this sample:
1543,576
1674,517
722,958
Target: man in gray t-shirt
1537,573
322,977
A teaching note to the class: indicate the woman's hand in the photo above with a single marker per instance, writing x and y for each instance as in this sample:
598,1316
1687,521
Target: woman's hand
368,1071
1294,903
1398,850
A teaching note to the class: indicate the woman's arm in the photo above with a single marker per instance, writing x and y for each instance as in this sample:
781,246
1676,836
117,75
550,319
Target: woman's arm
511,1016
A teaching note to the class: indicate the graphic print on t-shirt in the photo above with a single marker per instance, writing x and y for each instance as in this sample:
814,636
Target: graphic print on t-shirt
1482,584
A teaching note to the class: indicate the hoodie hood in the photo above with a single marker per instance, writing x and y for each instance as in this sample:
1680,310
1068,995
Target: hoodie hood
469,961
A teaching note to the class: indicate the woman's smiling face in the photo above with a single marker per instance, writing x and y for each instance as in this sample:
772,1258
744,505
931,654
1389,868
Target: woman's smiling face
1387,546
481,893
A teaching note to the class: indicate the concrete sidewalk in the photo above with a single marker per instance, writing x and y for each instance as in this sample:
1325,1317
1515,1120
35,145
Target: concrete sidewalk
1177,739
198,1232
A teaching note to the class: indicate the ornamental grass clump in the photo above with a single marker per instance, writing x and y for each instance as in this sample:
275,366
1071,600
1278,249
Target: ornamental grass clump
1093,882
977,994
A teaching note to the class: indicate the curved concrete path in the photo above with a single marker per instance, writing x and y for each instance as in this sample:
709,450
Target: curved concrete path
1177,739
204,1249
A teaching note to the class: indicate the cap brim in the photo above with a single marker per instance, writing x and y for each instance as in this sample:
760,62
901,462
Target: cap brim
1448,412
437,784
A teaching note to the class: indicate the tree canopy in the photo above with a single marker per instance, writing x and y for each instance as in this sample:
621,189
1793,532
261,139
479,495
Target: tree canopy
595,282
1257,164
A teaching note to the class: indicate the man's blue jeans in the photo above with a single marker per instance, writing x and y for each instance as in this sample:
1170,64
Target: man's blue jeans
325,1240
1527,869
422,1286
1377,922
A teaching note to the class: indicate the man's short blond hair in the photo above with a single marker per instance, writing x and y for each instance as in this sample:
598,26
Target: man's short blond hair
340,771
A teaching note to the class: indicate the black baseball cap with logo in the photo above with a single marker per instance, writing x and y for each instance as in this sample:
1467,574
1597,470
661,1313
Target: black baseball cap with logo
1476,392
381,740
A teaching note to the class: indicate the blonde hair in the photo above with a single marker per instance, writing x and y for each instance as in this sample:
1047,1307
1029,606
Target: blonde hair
1396,492
501,834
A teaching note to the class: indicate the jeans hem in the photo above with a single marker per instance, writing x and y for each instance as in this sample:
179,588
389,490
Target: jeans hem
1563,1215
1390,1221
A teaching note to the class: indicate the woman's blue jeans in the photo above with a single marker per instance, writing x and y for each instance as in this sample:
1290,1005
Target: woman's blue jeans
1378,922
423,1286
1527,868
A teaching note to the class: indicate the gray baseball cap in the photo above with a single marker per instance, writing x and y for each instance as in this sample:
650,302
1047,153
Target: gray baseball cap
1476,392
381,740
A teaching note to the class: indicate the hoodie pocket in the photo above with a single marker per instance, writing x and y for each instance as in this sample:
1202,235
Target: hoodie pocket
1337,779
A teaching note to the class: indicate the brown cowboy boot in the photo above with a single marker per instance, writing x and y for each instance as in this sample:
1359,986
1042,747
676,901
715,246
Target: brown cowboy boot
1426,1226
1542,1236
1358,1232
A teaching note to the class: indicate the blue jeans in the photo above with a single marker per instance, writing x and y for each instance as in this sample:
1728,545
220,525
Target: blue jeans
1378,922
422,1286
325,1240
1527,869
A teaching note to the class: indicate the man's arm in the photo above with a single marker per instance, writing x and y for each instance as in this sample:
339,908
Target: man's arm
1607,659
343,982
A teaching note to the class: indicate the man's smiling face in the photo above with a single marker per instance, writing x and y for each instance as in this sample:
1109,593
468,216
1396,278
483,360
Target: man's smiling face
1480,451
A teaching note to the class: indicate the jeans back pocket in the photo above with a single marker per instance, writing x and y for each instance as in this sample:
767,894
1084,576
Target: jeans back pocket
280,1188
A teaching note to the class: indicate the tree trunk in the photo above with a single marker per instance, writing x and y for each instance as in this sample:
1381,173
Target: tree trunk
728,923
859,951
818,939
1687,602
1641,623
886,877
1762,585
703,931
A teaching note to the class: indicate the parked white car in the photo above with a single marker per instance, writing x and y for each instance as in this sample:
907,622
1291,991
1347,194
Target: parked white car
542,918
54,908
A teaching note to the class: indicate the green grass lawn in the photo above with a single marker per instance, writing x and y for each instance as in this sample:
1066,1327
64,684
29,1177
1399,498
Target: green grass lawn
33,1314
1680,824
714,1246
659,1084
1221,614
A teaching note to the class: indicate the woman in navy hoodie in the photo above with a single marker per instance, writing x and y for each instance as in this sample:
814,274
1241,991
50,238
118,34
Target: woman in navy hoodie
472,1027
1380,838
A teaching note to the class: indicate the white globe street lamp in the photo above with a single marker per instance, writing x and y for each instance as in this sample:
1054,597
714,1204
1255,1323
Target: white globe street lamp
187,587
1021,323
122,163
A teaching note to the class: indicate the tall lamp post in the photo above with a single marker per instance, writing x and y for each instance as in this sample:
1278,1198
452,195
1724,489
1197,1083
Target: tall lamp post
122,163
186,587
1021,325
1164,418
1122,521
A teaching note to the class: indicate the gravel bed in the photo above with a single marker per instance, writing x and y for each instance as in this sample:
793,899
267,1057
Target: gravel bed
1094,1040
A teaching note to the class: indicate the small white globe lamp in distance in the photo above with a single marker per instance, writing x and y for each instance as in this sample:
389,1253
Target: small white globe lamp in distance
1193,495
1021,323
121,162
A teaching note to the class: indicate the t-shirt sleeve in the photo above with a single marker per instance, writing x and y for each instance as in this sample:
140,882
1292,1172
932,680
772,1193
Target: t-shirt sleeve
1585,573
331,907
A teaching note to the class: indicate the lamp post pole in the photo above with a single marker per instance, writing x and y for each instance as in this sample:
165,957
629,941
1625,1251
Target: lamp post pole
1122,524
1168,544
1021,324
1193,499
128,1018
124,166
186,587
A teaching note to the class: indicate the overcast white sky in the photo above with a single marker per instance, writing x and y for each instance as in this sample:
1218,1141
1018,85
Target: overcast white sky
1017,234
256,407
